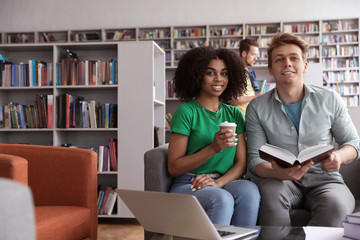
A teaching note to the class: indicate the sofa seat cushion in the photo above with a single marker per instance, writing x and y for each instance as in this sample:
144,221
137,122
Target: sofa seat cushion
62,222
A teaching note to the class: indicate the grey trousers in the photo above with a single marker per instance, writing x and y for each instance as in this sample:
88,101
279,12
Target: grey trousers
328,199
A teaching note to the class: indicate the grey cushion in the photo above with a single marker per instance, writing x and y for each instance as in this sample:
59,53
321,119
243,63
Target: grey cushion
17,221
157,177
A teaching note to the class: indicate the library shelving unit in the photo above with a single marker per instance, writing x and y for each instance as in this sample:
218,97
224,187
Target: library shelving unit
139,93
340,57
309,31
262,32
334,43
185,38
225,36
162,36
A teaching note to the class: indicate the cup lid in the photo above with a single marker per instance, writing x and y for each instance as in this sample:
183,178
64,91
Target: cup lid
227,124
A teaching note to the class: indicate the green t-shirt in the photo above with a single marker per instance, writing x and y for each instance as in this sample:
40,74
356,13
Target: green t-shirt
191,120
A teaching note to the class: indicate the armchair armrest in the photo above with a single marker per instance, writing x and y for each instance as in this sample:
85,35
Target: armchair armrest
157,177
58,175
350,173
14,167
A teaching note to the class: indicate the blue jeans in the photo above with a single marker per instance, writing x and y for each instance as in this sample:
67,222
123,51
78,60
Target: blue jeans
237,203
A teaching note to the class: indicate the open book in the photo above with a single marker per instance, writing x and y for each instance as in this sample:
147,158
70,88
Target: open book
285,158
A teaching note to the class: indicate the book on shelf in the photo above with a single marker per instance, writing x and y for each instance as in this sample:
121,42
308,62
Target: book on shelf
1,116
14,115
6,114
50,111
284,158
106,200
262,84
109,206
100,199
352,226
168,118
100,158
106,160
33,73
112,143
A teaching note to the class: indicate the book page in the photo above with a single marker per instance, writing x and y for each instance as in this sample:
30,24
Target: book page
279,153
313,151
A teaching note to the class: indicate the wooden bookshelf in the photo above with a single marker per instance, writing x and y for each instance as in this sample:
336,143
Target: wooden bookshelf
137,114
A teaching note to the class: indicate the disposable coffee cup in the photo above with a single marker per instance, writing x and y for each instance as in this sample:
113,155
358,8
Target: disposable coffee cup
228,125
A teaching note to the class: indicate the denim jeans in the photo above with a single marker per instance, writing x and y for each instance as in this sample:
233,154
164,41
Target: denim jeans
237,203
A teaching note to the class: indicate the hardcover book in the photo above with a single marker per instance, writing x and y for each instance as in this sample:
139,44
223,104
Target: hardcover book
354,218
285,158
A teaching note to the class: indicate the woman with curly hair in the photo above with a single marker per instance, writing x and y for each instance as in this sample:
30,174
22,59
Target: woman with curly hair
208,162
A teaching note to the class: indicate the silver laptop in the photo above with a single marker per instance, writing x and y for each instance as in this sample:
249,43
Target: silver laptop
177,215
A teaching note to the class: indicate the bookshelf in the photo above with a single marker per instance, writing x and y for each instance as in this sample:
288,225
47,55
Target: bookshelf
309,31
334,43
340,57
137,113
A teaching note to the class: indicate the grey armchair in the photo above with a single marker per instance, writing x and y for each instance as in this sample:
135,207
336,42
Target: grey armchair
17,217
157,178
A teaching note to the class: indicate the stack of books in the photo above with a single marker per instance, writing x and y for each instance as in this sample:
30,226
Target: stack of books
352,226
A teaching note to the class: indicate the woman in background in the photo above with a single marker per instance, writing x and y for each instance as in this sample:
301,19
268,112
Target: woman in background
206,161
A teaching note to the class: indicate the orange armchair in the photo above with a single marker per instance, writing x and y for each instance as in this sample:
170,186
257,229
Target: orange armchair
63,182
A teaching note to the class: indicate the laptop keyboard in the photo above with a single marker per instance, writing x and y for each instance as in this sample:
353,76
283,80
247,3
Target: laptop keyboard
224,233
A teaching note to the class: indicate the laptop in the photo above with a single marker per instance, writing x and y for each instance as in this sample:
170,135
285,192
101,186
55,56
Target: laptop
177,215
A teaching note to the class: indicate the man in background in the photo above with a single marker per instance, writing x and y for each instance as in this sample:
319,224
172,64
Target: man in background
249,51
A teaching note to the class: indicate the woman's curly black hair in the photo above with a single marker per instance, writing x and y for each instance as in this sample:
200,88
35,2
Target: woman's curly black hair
192,68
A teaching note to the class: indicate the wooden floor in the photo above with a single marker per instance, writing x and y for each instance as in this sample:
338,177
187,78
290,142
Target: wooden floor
120,229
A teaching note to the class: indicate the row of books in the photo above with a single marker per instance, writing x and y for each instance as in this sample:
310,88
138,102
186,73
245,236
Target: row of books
352,226
340,51
264,41
338,25
340,63
302,28
121,35
312,40
17,38
265,86
164,44
154,33
106,201
107,156
333,39
225,43
313,53
348,89
352,101
226,31
260,29
45,37
189,32
187,44
34,73
37,115
343,76
84,36
88,72
75,112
